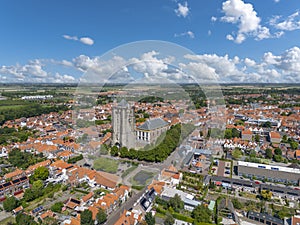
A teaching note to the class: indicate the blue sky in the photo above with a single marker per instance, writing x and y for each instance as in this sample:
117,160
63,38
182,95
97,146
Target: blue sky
254,40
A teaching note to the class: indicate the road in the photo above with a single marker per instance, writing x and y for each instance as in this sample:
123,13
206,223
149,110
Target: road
113,218
174,157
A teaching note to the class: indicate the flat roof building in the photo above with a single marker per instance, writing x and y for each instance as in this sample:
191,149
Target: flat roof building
270,172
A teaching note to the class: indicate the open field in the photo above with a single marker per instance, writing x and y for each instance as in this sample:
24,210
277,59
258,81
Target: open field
106,165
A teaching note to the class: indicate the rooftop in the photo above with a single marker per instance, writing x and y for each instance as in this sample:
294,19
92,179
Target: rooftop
153,124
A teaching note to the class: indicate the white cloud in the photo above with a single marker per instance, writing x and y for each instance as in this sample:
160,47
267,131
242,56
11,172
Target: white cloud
68,37
33,69
213,19
84,40
243,14
63,78
290,23
87,40
189,33
182,10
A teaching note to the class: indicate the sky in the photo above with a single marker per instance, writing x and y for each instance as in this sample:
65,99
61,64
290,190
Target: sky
231,40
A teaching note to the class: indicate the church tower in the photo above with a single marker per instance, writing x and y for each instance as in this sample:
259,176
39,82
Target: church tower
123,125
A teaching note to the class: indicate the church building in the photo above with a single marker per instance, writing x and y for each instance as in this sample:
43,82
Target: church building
125,132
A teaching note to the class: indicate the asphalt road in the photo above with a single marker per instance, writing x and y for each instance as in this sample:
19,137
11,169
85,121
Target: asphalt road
113,218
174,157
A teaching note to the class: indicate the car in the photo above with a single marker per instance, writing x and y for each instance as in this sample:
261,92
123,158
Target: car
257,182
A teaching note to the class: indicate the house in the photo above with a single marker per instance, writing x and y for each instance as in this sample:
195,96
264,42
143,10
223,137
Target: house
295,220
14,186
3,152
15,174
30,170
47,214
129,218
247,135
72,221
274,137
18,210
297,154
264,218
170,176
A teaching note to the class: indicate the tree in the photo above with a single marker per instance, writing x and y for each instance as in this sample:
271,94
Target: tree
101,216
57,207
41,173
236,203
257,138
235,133
269,153
86,218
202,214
176,203
278,151
228,134
266,195
267,124
294,145
10,203
169,220
49,221
277,158
236,153
114,151
150,220
24,219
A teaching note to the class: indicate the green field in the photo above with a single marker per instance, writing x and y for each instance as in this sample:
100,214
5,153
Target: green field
106,165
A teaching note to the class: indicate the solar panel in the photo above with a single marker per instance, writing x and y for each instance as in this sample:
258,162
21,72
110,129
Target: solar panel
7,184
16,181
23,178
37,209
75,201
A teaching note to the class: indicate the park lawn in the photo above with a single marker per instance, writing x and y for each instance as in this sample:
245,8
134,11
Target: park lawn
106,165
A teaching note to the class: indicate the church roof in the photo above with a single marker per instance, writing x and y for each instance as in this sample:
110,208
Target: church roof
123,103
153,124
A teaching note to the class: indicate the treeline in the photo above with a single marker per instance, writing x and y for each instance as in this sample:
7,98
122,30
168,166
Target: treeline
75,159
160,152
9,135
23,159
151,99
28,111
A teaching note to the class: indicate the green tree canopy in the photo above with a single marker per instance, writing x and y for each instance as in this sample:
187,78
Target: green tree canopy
169,220
269,153
176,203
236,153
101,216
57,207
202,214
41,173
278,151
10,203
150,220
266,195
86,218
24,219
